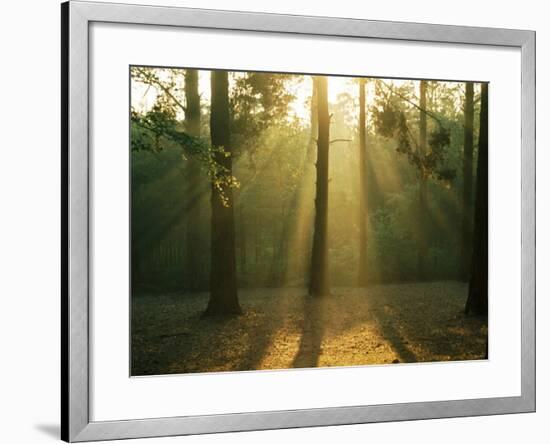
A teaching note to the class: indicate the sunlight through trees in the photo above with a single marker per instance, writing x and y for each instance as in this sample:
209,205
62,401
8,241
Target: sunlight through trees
265,184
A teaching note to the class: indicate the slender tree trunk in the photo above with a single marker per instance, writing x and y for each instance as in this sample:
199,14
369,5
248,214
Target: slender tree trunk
363,216
192,103
194,179
242,239
422,190
314,123
477,302
319,277
467,170
279,232
307,193
282,268
223,271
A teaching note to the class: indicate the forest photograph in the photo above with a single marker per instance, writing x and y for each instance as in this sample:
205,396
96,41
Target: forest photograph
283,221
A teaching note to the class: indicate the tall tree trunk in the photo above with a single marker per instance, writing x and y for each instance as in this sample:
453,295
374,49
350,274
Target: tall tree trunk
194,178
223,272
362,271
276,272
477,302
192,103
306,197
423,186
314,123
319,277
242,239
467,170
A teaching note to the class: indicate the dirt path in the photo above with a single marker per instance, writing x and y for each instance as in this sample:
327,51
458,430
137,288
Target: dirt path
283,328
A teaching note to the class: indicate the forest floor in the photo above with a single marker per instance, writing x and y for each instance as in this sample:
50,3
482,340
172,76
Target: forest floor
283,328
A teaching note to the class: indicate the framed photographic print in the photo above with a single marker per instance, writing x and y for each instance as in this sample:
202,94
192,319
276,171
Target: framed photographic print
277,221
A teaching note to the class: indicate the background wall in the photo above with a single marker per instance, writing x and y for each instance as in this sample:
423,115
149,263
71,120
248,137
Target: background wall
29,221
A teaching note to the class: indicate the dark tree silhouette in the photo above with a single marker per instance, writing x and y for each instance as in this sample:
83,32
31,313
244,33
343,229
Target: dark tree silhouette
362,270
223,272
194,181
319,285
314,123
467,171
477,302
192,103
309,174
423,187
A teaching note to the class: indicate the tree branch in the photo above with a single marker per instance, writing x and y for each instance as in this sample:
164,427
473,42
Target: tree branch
406,99
153,81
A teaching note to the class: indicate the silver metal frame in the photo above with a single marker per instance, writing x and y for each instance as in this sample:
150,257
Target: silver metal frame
76,18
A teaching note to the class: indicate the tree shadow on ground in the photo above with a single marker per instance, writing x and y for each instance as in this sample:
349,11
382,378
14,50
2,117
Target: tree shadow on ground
170,336
261,335
313,326
282,328
428,330
397,342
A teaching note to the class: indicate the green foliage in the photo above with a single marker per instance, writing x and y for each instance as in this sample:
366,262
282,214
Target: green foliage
149,128
152,130
393,113
273,179
391,251
257,101
388,118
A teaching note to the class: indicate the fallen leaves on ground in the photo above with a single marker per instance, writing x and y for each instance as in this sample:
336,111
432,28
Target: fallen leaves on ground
284,328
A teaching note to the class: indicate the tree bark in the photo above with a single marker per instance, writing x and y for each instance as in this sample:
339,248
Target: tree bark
307,197
242,239
319,277
477,302
192,103
223,272
193,225
422,189
314,123
467,171
363,216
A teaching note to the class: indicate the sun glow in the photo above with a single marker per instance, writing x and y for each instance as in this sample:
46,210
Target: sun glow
144,96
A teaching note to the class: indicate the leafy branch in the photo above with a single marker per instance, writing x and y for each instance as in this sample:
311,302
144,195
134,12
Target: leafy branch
149,128
148,77
391,121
